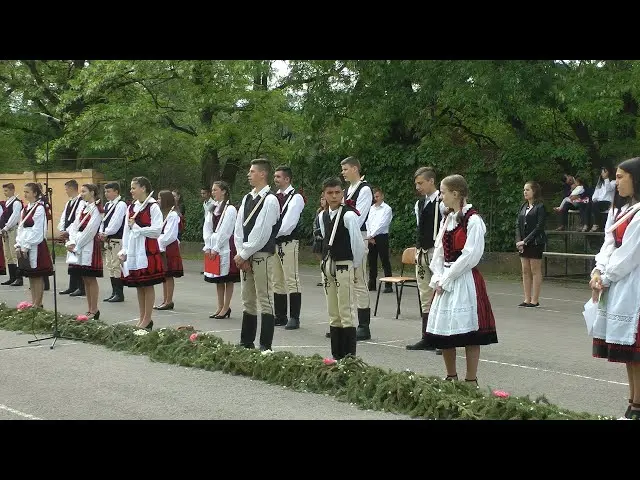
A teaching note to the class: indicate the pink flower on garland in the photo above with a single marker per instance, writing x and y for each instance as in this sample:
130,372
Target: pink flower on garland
329,361
24,305
501,394
82,318
193,337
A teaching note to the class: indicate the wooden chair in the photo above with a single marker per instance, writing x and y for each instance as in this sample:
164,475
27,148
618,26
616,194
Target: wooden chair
408,258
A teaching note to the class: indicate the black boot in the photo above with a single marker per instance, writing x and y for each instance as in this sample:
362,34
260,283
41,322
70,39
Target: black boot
248,330
18,281
364,319
336,342
280,308
295,303
80,291
422,344
118,287
349,341
73,286
113,290
267,325
12,274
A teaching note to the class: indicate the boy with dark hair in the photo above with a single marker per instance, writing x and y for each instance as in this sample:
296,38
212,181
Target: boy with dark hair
72,209
342,252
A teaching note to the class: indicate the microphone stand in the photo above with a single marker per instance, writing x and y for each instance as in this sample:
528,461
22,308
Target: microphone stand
49,194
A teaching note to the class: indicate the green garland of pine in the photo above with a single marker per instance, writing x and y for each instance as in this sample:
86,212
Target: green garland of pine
349,380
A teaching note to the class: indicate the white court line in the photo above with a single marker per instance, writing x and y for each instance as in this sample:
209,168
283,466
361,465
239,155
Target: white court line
497,293
526,367
18,412
160,312
218,331
541,298
299,346
126,321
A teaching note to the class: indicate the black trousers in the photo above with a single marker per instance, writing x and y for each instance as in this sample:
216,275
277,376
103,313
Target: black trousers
593,210
564,213
380,248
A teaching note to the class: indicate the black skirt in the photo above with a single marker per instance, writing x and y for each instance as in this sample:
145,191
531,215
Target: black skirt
533,251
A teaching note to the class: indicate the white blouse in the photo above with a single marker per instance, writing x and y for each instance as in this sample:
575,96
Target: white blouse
170,234
617,319
218,241
471,253
28,238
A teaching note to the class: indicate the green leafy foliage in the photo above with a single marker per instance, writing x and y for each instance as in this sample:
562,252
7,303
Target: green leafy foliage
350,380
187,123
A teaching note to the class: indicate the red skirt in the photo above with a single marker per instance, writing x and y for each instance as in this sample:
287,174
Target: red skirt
93,270
233,268
44,266
174,261
486,333
617,353
153,274
3,263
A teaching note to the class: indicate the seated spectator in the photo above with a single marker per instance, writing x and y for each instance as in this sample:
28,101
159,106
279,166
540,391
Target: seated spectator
600,202
579,194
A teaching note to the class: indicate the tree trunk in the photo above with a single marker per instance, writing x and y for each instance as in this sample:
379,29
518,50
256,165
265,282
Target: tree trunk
209,166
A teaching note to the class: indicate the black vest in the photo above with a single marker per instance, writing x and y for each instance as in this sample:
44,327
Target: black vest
354,197
424,233
341,248
70,214
295,233
8,211
118,234
249,203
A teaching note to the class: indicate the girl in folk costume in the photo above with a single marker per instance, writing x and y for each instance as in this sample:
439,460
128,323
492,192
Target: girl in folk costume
219,242
616,279
84,248
3,263
34,260
140,255
170,247
461,314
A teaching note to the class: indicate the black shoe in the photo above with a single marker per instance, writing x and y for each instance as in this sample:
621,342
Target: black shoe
364,319
77,293
336,342
328,334
248,330
219,317
292,324
280,309
533,305
295,304
363,333
17,282
67,291
388,290
113,291
420,345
